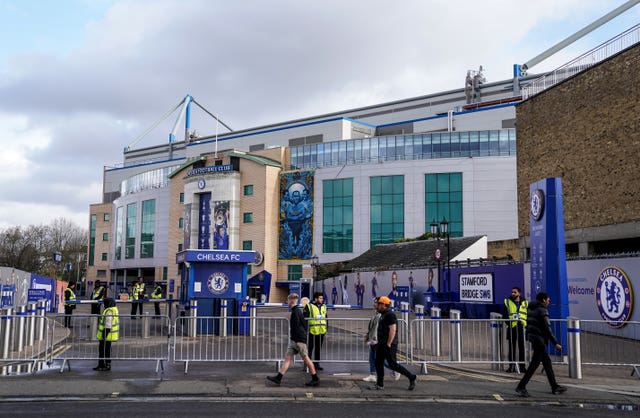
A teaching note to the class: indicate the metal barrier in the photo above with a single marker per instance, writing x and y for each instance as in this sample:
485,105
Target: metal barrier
23,347
146,339
201,339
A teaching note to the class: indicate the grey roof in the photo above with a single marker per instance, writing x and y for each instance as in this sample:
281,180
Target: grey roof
404,255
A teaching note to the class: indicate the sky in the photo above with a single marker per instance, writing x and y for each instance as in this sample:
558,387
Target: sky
80,80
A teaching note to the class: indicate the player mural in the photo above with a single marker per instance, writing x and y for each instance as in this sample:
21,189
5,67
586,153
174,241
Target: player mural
296,216
221,225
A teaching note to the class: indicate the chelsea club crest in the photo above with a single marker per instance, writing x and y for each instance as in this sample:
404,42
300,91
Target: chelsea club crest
537,204
218,283
614,296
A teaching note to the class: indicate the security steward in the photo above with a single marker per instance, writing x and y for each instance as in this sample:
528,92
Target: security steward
69,304
137,297
515,312
316,314
157,294
98,294
108,332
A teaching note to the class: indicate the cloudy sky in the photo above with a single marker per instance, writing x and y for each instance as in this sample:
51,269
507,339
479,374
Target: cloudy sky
82,79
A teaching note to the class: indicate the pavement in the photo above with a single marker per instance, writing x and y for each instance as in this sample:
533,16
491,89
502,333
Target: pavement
611,388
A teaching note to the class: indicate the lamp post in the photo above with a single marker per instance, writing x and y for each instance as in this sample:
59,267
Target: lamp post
436,232
314,266
444,228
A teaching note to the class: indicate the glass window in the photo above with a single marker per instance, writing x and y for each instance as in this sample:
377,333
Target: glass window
247,217
180,247
443,199
294,272
337,222
105,236
181,197
119,224
130,234
105,217
148,227
181,223
248,190
386,206
247,245
105,256
92,240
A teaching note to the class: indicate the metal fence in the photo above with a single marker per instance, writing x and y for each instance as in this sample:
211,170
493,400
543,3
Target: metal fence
29,339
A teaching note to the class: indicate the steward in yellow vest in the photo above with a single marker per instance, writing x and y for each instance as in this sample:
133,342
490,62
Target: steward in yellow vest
515,311
316,314
108,331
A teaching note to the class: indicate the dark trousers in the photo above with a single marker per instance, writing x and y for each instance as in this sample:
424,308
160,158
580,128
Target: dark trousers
314,346
68,310
95,309
136,306
156,305
104,353
383,352
515,337
539,356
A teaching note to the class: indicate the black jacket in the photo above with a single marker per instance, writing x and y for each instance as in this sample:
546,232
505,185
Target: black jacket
538,325
297,325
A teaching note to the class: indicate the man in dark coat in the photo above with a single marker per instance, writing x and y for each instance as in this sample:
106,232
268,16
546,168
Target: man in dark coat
539,334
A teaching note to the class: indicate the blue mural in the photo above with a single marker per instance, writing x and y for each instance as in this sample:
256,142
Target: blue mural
296,216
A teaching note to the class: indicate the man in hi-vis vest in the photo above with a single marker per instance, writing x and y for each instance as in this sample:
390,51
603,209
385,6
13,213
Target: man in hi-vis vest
515,311
108,332
316,313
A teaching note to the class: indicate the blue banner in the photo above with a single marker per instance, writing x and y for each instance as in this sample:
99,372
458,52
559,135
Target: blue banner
213,256
204,221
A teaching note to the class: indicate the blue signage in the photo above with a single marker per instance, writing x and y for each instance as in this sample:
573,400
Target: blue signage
548,255
34,295
204,221
7,292
214,256
210,169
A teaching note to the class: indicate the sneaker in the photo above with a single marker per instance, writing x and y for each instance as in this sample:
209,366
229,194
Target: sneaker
412,382
376,387
274,379
370,378
396,376
522,392
558,389
313,382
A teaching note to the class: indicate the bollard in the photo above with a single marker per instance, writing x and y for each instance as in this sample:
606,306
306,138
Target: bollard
193,313
436,326
223,320
573,348
30,335
42,322
7,328
404,309
455,335
21,313
252,315
496,341
420,327
146,325
93,327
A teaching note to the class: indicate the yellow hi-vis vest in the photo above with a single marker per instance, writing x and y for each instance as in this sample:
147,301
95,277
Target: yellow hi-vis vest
516,315
317,319
69,297
114,330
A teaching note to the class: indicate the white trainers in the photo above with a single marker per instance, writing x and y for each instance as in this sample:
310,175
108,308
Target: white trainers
396,376
370,378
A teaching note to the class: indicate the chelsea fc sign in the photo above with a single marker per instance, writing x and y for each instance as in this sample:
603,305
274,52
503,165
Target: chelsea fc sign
614,296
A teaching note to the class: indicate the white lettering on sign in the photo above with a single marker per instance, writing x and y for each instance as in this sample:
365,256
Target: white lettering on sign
218,257
476,287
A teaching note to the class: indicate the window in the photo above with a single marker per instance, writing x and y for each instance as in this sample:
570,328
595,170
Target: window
147,228
181,223
101,273
180,247
386,221
92,240
248,190
248,269
294,272
130,234
105,256
105,217
247,245
247,217
337,218
105,236
443,199
119,221
181,197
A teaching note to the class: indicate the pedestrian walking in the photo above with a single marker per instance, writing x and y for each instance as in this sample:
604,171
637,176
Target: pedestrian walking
316,314
539,334
98,294
297,343
371,339
387,346
515,311
108,332
69,303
